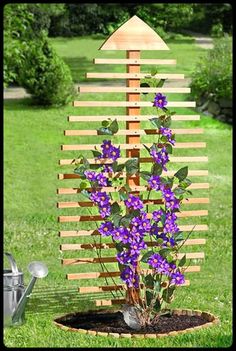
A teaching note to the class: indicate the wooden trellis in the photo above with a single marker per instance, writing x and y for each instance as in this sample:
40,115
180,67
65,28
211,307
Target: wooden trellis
132,37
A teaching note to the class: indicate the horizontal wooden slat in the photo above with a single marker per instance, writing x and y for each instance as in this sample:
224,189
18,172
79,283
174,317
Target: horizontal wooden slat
70,191
96,89
109,302
134,61
133,75
190,201
98,103
184,228
130,118
75,132
198,173
103,288
182,214
85,260
71,247
173,159
185,145
95,275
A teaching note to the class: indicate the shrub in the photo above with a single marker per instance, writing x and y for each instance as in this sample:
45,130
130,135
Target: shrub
213,73
46,76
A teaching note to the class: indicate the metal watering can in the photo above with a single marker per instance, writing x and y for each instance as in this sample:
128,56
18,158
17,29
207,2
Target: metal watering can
15,294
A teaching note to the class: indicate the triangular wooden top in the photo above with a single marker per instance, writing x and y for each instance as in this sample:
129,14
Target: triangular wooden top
134,35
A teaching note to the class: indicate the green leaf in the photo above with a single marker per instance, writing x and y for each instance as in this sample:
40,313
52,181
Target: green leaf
155,122
105,123
179,191
163,219
149,297
119,246
85,193
164,252
147,148
167,122
127,188
125,220
84,185
145,175
153,71
104,131
144,85
182,261
179,237
115,208
149,281
157,286
80,170
157,306
182,173
86,163
185,183
116,219
156,169
96,153
167,293
169,148
160,83
123,195
114,126
146,256
120,167
132,166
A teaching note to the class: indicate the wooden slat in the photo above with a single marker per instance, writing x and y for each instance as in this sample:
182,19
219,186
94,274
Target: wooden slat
73,204
130,103
130,118
109,302
103,288
97,89
198,173
75,132
85,260
182,214
173,159
95,275
133,75
134,61
71,247
184,145
70,191
184,228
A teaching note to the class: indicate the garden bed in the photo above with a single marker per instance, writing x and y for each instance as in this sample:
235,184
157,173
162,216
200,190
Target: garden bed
107,322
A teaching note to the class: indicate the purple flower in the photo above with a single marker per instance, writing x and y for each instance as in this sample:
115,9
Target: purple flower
101,179
163,267
160,100
109,151
125,235
129,277
177,278
172,204
105,210
126,257
101,198
155,182
156,215
137,246
160,157
114,153
106,228
136,234
167,133
168,194
90,175
133,202
107,168
155,260
154,229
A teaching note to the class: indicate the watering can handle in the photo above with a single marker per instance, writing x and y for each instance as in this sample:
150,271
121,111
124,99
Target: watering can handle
12,263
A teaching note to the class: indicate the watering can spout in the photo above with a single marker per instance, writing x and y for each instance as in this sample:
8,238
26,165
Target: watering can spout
37,270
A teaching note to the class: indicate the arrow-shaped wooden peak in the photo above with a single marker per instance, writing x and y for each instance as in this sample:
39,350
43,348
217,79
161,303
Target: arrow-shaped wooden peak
134,34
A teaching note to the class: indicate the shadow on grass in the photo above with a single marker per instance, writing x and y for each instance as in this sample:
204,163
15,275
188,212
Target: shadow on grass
61,300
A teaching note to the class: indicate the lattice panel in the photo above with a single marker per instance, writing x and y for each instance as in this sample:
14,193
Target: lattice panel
84,239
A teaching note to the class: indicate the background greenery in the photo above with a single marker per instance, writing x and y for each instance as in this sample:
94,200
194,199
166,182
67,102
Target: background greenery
32,139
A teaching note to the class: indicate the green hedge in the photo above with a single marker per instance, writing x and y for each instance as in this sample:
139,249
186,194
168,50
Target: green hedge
213,73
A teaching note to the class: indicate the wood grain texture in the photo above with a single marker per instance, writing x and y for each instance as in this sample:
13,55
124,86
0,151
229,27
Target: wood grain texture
96,89
176,117
133,61
108,75
75,132
130,103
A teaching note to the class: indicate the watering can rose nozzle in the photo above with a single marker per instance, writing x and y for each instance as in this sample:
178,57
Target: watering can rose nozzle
37,270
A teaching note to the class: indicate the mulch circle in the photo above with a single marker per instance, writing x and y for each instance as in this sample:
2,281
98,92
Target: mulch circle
110,322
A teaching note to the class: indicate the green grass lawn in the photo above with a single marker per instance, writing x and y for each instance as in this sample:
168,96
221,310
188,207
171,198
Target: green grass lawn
32,139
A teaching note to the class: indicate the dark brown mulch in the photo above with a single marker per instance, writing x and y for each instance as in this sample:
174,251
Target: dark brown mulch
113,322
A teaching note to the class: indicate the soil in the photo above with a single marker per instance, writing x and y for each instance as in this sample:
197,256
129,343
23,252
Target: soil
113,322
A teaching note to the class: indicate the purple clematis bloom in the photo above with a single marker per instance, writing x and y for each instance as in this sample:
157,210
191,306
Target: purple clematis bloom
155,182
133,202
177,278
105,211
155,260
167,133
160,100
106,228
156,215
90,175
102,180
137,246
127,275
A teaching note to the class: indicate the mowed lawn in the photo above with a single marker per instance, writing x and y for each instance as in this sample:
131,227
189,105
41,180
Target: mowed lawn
32,140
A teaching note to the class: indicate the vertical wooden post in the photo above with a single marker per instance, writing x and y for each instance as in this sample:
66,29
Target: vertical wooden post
133,295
